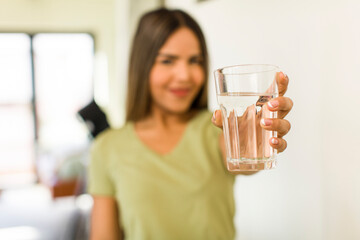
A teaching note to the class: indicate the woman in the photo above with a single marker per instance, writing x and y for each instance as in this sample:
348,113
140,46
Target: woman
162,176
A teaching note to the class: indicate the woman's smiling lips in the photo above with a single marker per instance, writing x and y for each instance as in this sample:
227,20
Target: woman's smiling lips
180,92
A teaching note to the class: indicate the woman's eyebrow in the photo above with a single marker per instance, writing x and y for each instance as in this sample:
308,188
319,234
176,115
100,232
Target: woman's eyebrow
196,56
172,56
168,55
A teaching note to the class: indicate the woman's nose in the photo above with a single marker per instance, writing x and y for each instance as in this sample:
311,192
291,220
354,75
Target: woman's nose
182,71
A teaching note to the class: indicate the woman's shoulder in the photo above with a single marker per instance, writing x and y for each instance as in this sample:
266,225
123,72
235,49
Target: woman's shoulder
113,136
203,115
203,118
202,122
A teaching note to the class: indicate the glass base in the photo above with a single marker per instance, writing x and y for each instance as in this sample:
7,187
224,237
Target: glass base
246,164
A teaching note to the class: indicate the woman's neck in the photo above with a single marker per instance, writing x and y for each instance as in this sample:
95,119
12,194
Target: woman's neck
162,131
166,120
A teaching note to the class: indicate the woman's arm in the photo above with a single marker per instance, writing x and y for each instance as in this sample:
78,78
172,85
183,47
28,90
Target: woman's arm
104,219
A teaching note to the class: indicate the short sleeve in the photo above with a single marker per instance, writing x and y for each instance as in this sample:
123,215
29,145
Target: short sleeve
99,181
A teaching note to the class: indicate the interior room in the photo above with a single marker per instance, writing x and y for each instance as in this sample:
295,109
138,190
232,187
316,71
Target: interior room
63,80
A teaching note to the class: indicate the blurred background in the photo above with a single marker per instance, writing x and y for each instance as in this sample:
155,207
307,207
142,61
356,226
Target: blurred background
62,60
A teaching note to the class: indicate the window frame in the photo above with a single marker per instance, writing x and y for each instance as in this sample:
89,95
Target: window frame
33,101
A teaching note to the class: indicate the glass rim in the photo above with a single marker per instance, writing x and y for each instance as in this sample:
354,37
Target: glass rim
274,67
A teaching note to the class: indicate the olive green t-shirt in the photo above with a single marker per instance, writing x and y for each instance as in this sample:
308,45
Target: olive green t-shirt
185,194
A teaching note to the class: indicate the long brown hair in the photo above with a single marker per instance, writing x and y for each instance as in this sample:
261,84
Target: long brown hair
153,30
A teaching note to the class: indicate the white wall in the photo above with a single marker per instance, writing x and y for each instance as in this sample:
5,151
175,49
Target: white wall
315,191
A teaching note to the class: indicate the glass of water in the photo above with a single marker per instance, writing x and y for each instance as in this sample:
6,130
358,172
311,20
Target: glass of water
242,93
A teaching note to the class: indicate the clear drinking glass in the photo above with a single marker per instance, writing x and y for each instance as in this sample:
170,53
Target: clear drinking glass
242,93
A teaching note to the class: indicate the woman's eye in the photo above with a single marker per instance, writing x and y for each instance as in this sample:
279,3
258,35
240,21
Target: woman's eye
166,61
195,61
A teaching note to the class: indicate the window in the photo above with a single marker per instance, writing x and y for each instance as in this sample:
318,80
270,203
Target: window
45,79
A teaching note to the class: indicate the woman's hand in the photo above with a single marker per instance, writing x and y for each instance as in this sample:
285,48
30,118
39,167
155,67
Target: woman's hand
282,105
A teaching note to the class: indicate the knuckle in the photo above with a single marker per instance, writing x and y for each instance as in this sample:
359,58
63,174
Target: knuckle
280,99
285,103
282,145
289,125
283,126
291,103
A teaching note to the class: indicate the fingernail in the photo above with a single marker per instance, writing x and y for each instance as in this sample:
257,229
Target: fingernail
285,76
273,104
266,122
274,141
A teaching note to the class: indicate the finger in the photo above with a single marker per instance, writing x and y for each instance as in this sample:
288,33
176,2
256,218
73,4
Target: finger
281,104
282,81
217,118
279,144
281,126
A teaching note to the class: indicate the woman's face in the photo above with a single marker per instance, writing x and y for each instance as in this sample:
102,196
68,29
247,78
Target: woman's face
177,74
